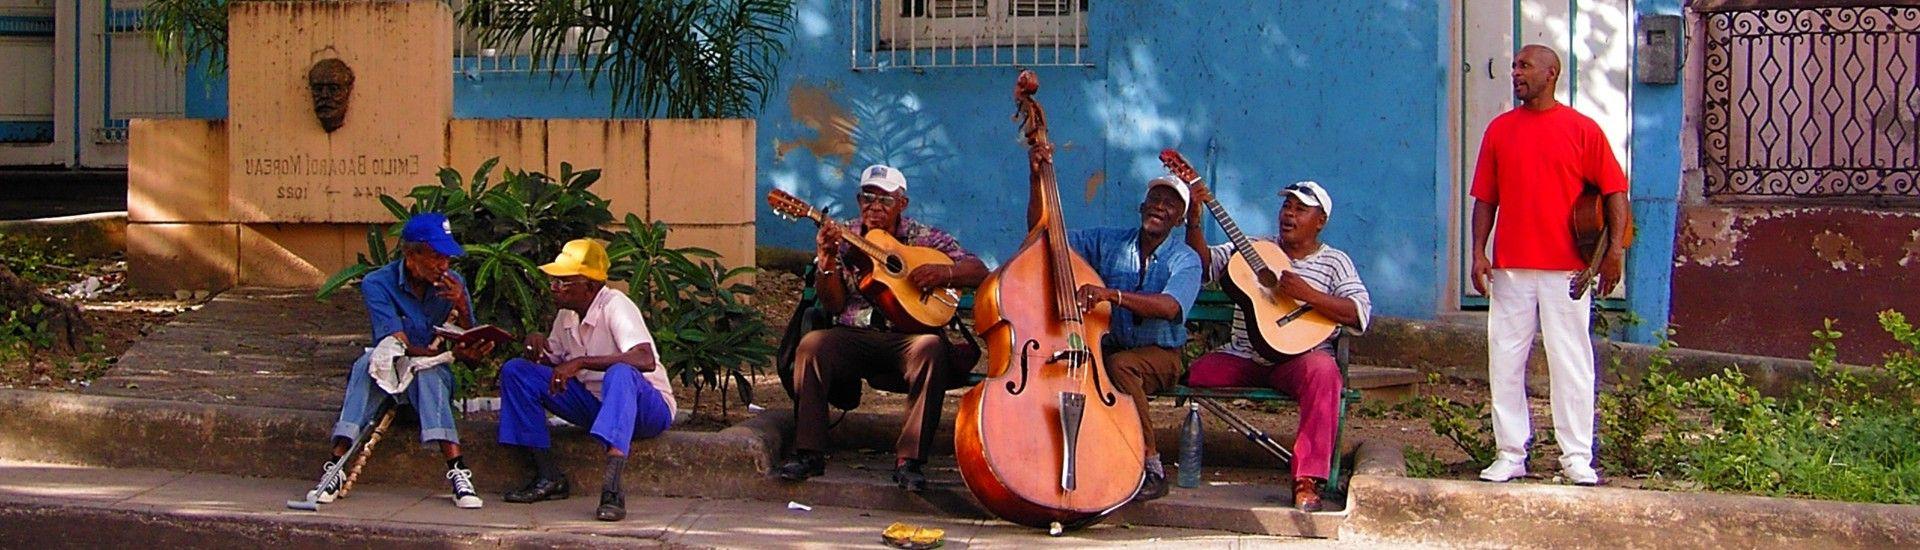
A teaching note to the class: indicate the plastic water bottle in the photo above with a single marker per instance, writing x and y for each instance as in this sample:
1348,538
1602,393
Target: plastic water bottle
1190,438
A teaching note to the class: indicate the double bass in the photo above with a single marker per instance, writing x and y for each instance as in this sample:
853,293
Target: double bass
1046,440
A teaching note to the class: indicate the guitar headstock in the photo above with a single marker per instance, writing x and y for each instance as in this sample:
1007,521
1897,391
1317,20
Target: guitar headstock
787,205
1178,166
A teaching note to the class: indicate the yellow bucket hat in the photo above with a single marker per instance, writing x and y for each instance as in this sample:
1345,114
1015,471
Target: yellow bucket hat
580,257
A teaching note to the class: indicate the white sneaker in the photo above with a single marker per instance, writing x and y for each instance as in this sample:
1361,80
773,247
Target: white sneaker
463,493
1580,474
1504,469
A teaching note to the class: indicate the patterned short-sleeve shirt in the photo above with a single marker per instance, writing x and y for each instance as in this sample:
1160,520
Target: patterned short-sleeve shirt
859,312
1329,270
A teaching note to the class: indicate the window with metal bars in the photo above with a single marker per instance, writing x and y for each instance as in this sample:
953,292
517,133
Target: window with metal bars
968,33
1810,103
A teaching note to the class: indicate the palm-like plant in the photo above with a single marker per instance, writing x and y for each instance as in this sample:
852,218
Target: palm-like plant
672,58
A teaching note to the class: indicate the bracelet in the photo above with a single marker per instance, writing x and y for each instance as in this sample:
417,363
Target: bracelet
1119,298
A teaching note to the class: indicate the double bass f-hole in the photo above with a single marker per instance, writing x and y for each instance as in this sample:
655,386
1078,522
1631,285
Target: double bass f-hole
1026,352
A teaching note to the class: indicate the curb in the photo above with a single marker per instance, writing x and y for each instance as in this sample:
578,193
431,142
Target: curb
49,523
1385,507
732,463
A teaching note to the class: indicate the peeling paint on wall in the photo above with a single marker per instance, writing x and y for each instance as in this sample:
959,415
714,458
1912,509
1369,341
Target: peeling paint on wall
1710,238
814,107
1912,248
1094,181
1841,252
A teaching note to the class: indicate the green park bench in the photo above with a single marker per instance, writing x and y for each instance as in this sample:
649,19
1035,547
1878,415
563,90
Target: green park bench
1212,307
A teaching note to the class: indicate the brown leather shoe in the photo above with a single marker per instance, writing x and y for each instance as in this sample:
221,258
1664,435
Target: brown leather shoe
1306,494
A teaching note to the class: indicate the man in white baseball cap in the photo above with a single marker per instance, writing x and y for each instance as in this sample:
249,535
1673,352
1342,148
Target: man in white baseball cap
864,344
1320,276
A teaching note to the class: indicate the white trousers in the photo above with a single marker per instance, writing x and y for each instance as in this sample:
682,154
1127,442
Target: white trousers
1524,301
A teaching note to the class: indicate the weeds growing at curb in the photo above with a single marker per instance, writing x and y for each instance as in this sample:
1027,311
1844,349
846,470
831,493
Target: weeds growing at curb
1850,434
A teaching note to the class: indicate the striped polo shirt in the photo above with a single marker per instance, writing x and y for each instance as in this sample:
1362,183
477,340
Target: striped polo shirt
1328,269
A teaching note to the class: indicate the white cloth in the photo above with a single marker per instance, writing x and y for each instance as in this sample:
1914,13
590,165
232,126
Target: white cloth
1524,301
611,326
393,370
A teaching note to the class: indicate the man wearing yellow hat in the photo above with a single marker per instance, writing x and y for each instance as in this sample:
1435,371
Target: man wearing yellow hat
597,368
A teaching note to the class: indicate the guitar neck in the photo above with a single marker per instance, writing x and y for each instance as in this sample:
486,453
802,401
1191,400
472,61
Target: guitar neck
1239,238
866,247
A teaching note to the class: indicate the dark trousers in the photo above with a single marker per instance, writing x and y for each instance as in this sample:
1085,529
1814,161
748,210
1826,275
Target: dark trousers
1141,372
830,359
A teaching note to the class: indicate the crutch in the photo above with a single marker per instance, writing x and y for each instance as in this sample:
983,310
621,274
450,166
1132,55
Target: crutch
1237,424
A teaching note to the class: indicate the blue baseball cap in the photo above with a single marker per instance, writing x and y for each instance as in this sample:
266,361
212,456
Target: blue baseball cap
432,228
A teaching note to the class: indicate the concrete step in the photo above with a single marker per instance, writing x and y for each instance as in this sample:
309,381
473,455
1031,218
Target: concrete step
1388,385
1228,499
41,504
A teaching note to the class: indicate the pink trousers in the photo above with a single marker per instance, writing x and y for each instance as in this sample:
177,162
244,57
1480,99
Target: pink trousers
1313,378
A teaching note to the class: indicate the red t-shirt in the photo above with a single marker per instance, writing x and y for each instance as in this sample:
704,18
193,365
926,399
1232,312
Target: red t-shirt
1532,166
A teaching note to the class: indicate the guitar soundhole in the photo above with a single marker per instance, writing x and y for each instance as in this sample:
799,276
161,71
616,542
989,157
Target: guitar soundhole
895,265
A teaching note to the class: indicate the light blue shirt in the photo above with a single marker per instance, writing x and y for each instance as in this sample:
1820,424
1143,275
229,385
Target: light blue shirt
393,307
1172,270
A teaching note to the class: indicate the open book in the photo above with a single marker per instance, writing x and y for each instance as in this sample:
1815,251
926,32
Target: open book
476,334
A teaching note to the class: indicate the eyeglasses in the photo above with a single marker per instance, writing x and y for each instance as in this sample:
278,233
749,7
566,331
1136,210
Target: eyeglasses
557,285
868,197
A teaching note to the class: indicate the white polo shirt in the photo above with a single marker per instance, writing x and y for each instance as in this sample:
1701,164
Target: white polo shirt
611,326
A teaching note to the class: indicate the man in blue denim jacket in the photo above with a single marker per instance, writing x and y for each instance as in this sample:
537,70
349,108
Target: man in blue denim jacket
405,300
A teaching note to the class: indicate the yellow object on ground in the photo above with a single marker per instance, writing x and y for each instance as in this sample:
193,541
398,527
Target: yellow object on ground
901,535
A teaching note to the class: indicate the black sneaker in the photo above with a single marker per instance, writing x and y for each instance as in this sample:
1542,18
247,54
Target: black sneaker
613,507
803,465
1154,487
909,475
541,489
463,494
331,478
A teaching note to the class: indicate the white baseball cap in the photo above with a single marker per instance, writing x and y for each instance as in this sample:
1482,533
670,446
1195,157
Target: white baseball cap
1179,188
1311,194
884,177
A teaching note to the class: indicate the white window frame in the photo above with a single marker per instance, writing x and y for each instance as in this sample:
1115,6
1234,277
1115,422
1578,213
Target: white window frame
997,27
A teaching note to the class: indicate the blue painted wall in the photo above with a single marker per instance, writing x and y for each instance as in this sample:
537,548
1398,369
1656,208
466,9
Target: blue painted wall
1658,120
1339,92
1348,94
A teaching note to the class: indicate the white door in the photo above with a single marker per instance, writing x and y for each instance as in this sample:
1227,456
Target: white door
33,95
1592,37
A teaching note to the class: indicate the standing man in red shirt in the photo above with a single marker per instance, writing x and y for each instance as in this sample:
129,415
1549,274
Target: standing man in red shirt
1534,161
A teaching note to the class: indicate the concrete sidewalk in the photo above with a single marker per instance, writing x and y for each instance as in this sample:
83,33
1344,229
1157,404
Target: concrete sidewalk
45,503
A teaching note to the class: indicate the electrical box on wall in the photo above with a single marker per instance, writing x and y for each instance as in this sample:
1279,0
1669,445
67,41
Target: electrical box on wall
1657,55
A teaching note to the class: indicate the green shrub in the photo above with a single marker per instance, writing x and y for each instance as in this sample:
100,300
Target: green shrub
1468,425
706,335
1423,464
1847,435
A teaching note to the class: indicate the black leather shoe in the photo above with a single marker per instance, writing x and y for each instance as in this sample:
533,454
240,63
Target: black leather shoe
1154,487
909,475
541,489
613,507
803,465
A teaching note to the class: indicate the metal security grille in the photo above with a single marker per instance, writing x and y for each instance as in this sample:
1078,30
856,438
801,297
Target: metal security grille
473,57
139,81
1816,102
922,34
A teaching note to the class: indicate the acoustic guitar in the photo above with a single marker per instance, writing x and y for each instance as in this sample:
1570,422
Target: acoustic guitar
886,285
1277,325
1591,237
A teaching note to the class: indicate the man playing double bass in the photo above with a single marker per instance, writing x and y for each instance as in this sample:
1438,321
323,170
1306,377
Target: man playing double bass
1151,282
860,345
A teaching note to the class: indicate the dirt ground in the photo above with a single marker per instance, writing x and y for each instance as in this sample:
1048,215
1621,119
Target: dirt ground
118,319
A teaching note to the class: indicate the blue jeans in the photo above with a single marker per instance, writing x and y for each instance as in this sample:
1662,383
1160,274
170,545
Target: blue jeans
632,409
431,395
